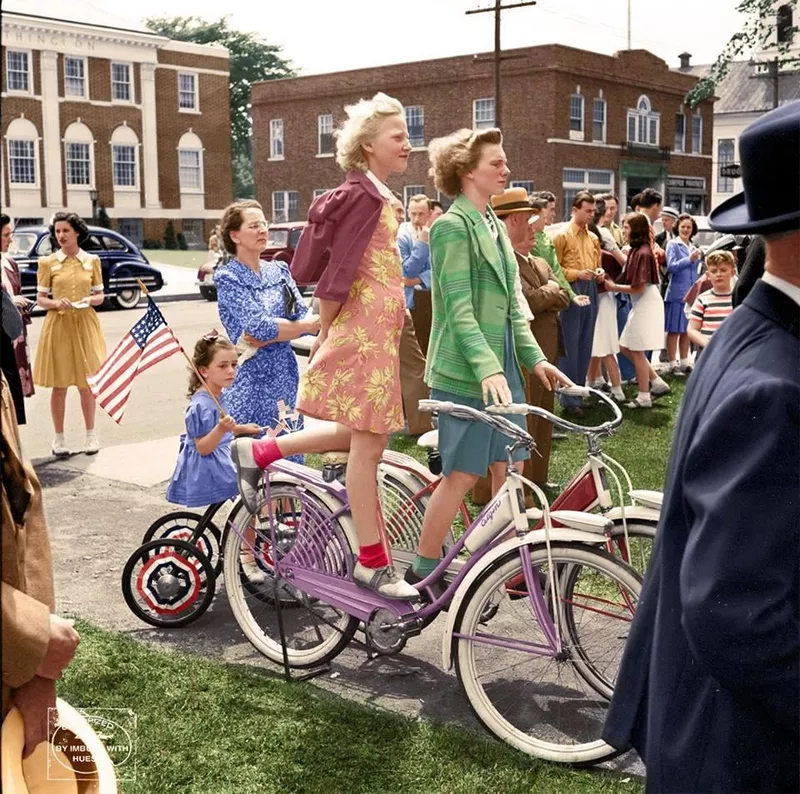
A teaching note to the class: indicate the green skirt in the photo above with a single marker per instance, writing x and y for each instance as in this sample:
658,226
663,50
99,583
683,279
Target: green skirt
471,446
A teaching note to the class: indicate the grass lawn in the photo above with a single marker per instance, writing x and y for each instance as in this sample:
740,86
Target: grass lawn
192,259
217,729
214,728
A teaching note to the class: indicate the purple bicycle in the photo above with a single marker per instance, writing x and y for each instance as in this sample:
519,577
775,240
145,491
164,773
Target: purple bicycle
538,668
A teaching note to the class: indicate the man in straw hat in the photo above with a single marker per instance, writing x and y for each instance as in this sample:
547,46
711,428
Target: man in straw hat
708,686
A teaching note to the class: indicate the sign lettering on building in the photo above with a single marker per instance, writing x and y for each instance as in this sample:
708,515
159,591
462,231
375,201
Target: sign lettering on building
60,41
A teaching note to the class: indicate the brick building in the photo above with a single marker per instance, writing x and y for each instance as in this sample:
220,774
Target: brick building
571,120
96,107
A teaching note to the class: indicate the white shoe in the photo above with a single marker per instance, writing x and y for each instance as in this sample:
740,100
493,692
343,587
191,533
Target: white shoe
58,447
384,581
92,443
253,573
658,388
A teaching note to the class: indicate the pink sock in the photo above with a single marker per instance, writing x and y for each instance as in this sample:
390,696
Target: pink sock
266,452
373,556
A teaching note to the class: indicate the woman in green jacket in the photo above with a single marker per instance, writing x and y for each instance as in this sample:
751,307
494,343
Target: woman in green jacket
479,336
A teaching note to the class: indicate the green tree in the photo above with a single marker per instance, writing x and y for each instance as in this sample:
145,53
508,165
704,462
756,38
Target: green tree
170,241
252,60
757,30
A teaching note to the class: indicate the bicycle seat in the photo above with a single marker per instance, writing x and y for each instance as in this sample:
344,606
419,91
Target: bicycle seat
429,439
652,499
575,519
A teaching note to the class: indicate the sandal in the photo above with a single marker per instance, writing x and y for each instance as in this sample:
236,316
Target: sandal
636,404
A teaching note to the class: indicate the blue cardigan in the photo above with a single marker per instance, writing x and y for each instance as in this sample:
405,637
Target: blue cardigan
682,271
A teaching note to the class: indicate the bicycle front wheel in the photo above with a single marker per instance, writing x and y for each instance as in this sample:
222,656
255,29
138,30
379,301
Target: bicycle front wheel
313,632
522,688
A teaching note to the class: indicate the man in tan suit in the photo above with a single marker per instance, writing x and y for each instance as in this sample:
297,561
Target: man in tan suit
37,644
545,298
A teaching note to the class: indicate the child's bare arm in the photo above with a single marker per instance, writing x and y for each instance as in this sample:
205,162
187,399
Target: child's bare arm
206,444
249,429
693,332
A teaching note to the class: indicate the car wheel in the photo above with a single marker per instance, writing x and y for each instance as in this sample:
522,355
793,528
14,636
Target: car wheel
209,293
127,298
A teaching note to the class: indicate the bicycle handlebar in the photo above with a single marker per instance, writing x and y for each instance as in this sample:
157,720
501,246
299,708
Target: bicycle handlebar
497,422
565,424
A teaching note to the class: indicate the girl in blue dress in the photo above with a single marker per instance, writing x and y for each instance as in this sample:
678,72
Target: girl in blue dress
204,473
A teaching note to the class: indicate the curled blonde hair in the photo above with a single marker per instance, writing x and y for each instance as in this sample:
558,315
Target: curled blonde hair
361,126
457,154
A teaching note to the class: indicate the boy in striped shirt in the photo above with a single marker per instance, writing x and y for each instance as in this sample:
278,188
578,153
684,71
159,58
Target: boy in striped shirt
712,307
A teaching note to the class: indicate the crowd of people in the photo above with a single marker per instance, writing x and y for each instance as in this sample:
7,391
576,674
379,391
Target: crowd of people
488,302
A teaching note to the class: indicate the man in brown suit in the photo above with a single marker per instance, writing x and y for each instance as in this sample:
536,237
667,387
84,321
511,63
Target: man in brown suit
544,298
37,644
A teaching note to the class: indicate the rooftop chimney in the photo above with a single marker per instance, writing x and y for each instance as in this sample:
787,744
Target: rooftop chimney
686,60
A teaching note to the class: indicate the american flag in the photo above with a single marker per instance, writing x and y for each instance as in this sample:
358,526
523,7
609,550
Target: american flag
149,341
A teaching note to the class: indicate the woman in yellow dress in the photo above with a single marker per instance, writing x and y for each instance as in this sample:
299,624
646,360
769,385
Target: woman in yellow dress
71,346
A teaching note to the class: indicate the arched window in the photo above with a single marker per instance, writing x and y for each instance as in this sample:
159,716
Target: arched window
22,145
784,24
190,163
644,123
79,155
125,158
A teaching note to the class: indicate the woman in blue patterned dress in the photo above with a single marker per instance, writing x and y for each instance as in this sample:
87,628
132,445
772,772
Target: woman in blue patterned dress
262,310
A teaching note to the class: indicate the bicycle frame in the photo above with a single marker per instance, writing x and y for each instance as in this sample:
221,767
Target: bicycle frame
506,510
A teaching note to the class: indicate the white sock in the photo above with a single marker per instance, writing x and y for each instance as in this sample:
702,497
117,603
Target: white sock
658,379
617,392
59,438
644,398
685,362
90,434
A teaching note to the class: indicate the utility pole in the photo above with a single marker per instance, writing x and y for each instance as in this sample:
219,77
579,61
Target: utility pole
498,9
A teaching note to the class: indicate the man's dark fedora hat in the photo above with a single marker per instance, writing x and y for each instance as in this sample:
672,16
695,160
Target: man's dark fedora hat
769,151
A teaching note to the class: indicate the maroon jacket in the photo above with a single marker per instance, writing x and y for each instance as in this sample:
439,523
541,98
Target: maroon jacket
341,223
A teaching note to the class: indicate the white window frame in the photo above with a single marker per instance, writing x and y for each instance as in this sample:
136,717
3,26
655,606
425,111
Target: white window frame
131,86
24,185
699,149
725,184
682,140
421,110
574,186
409,191
276,125
84,77
284,213
318,191
195,167
196,80
640,117
577,134
90,160
597,102
320,133
135,185
526,183
29,55
483,124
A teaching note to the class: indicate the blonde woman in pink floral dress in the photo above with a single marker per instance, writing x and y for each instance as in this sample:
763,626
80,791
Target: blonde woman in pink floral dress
353,380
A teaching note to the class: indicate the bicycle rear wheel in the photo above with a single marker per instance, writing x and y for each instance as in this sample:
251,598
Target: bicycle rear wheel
314,632
521,689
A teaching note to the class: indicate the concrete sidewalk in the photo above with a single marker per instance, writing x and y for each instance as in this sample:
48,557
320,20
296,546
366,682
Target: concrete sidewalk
180,284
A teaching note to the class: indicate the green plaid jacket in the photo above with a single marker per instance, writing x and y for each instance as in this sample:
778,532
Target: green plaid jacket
473,295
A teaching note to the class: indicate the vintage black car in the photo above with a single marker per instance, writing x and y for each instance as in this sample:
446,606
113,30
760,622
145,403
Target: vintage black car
123,263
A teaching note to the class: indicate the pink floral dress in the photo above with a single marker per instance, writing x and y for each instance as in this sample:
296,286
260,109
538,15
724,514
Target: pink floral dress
354,378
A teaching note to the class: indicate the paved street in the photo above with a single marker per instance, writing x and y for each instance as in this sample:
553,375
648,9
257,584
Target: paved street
98,509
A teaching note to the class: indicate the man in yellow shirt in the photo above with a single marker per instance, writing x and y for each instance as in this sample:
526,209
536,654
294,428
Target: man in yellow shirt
578,251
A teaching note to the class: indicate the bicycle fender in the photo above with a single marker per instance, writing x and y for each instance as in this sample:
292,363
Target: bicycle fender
534,538
633,513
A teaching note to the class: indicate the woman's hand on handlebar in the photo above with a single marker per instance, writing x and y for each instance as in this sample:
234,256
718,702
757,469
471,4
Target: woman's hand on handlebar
551,376
495,390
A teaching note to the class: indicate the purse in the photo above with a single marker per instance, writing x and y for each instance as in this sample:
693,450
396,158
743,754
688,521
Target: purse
290,306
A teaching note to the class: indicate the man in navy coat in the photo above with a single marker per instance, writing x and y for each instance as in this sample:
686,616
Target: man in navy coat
708,686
